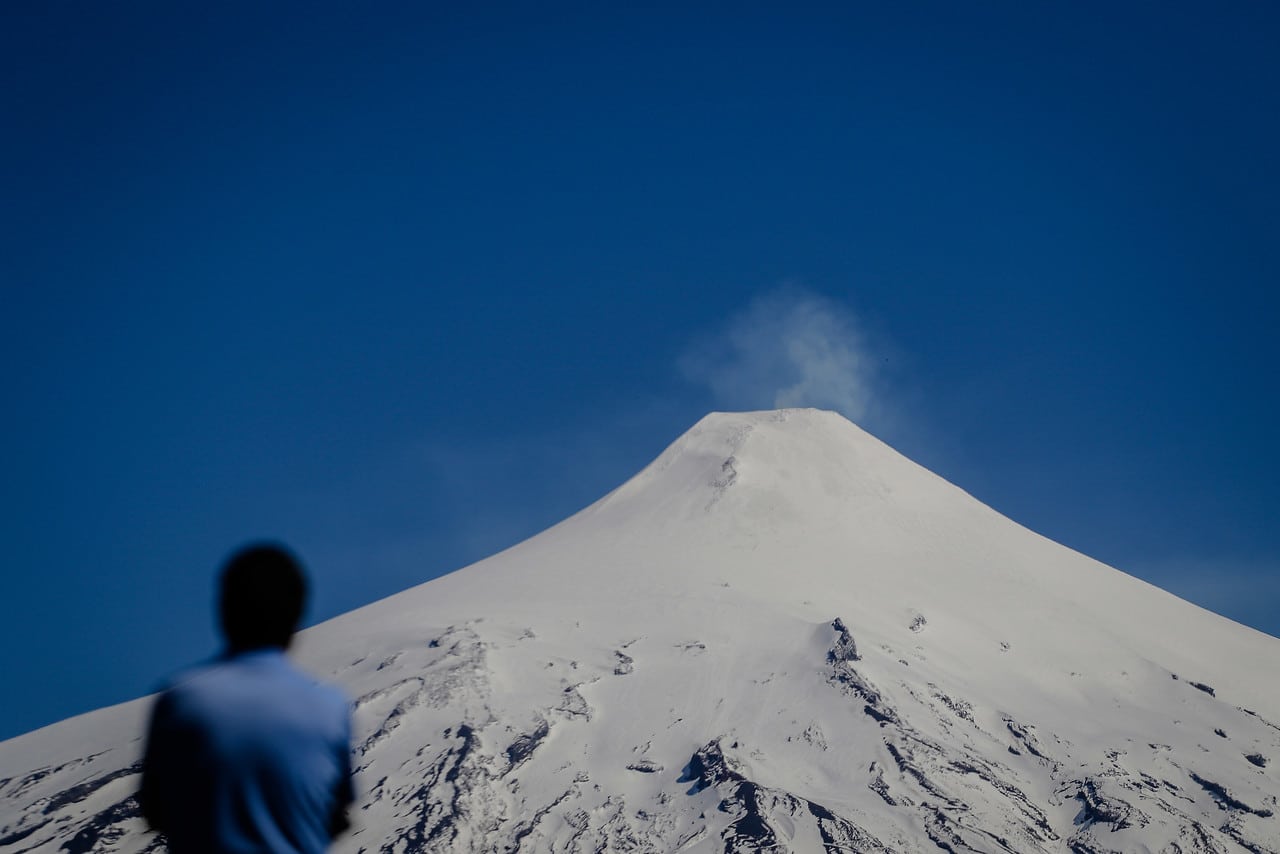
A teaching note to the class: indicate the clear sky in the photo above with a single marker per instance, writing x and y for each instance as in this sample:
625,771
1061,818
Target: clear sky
404,284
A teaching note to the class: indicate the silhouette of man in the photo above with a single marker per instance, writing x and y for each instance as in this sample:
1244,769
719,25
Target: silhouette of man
247,753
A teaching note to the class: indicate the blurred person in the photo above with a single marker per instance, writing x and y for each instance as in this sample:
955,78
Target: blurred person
247,753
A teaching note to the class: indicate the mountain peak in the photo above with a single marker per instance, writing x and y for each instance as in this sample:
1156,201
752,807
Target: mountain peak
806,465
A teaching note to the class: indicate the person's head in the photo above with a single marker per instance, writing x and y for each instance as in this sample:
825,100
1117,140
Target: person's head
261,595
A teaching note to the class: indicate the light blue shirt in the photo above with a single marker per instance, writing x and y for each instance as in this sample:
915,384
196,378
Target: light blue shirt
248,754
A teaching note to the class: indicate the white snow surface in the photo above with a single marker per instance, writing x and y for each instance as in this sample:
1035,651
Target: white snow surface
781,635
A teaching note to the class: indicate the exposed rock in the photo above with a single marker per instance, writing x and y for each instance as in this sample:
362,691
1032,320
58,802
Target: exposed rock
845,648
1225,799
644,766
756,808
522,747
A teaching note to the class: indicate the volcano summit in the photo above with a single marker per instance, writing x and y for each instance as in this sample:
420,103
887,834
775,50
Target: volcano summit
779,636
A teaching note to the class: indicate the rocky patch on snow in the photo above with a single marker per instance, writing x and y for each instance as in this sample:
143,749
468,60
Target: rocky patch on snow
644,766
1225,799
520,749
764,818
845,648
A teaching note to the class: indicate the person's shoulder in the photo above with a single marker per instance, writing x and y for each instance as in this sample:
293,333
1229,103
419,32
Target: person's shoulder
333,696
191,677
336,700
192,693
329,706
321,692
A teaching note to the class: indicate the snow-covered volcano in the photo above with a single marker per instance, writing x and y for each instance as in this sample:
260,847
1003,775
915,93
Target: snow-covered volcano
781,635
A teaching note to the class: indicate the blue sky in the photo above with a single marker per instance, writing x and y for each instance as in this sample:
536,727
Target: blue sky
404,284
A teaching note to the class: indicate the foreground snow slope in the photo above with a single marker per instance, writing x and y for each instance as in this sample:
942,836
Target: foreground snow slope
781,635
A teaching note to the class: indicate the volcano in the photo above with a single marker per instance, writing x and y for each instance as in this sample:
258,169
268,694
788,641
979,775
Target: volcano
781,635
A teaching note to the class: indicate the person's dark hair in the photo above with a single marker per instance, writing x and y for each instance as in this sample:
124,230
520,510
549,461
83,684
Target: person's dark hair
262,592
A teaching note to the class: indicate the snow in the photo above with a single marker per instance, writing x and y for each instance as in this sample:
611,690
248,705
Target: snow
662,672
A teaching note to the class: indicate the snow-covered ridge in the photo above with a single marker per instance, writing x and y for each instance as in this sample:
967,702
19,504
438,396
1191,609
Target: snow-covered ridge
780,633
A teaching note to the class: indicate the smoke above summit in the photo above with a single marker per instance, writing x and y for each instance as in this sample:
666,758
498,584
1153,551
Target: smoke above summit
790,347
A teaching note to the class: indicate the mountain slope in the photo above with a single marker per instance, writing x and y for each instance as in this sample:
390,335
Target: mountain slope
781,635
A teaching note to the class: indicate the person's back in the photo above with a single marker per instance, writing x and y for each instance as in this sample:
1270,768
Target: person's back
247,753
